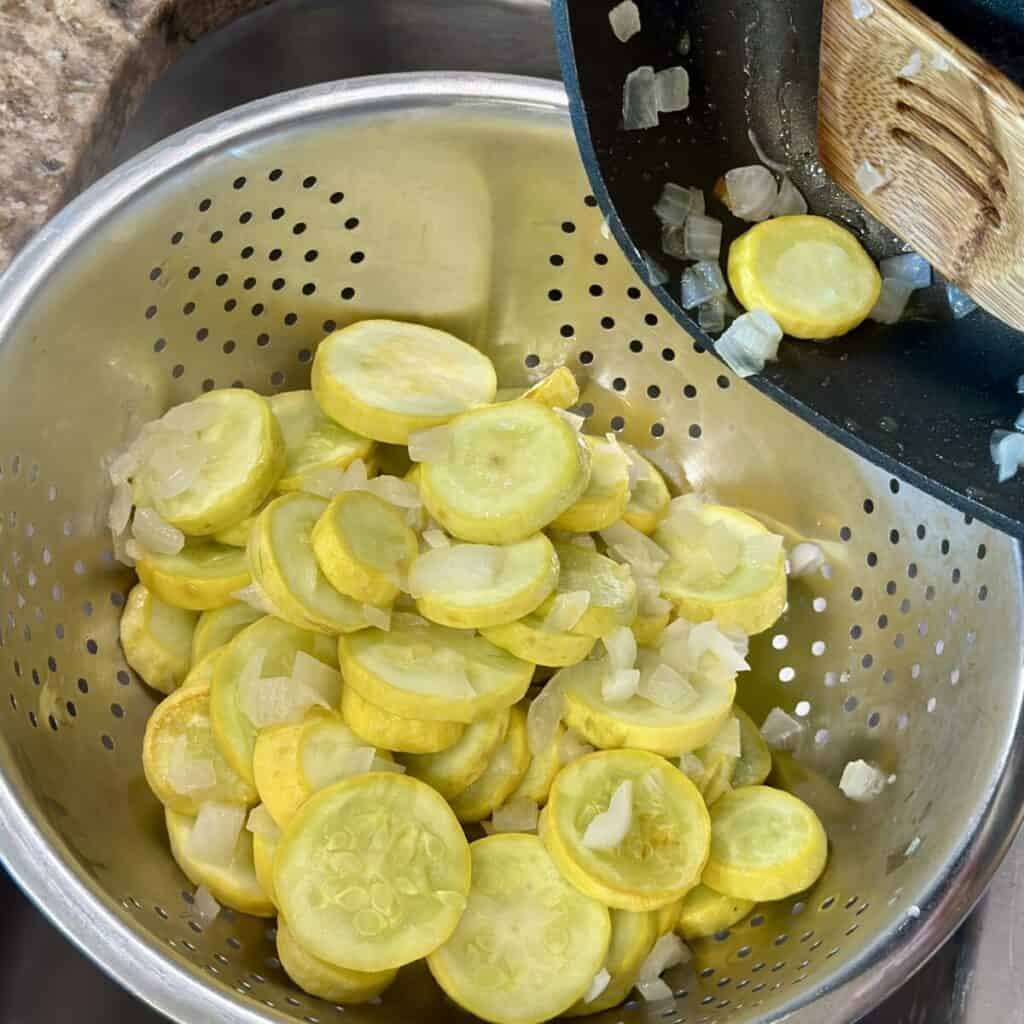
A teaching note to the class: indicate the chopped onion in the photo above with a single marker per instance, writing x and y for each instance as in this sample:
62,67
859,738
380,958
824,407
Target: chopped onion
459,567
909,267
601,981
571,746
675,204
260,823
436,538
343,763
320,678
702,237
324,482
711,315
607,829
379,618
402,493
729,651
544,716
666,688
701,282
673,241
940,61
804,559
122,467
629,545
620,644
121,543
639,100
134,551
120,510
751,192
692,767
861,9
204,904
861,781
215,833
155,534
775,165
869,179
892,300
519,815
668,951
566,611
781,731
186,774
256,597
724,547
960,303
625,20
275,700
750,341
656,273
619,685
1007,453
790,201
672,90
727,739
650,603
430,445
914,64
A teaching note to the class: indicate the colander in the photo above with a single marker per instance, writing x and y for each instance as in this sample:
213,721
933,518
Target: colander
220,258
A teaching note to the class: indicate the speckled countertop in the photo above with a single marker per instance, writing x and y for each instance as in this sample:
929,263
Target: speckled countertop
72,73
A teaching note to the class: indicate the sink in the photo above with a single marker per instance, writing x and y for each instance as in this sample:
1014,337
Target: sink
294,43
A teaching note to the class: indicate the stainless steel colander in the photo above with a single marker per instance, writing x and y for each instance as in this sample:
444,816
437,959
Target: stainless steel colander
221,257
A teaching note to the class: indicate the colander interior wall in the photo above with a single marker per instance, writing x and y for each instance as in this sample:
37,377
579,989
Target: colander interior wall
221,260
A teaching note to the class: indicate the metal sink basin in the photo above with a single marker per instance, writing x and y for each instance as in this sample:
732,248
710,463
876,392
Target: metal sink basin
295,43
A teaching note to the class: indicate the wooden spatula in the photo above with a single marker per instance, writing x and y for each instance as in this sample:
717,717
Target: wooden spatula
945,130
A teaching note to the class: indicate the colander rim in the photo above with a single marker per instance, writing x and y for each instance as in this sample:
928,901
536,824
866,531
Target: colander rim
77,905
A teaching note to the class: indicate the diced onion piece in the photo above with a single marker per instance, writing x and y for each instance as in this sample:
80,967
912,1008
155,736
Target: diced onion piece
120,510
914,64
204,904
804,559
619,685
320,678
701,282
379,618
625,20
1007,450
775,165
727,739
861,9
155,534
121,542
675,204
256,597
869,179
861,781
122,467
711,315
519,815
692,766
134,551
260,823
566,611
321,772
650,603
608,828
673,241
601,981
544,716
702,237
750,341
672,90
215,832
401,493
188,774
781,731
668,689
909,267
730,651
656,273
638,551
571,746
459,567
668,951
790,201
429,445
573,419
960,303
892,300
639,100
620,644
275,700
436,538
751,192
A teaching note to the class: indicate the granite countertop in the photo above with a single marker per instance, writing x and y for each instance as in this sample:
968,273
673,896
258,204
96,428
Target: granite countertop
72,73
